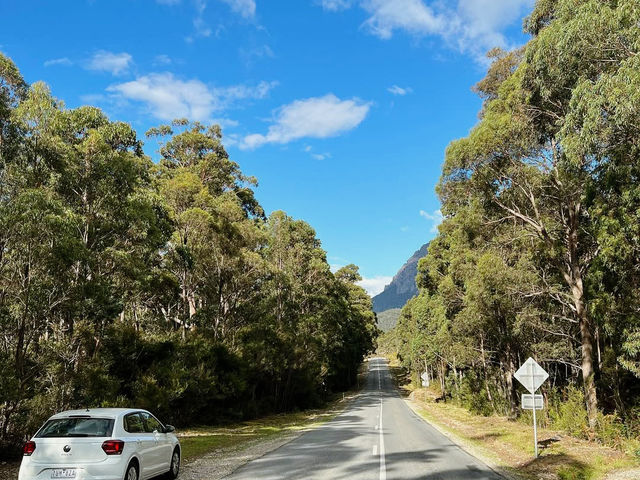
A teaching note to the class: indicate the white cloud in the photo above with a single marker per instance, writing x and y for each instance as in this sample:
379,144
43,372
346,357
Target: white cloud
375,285
335,5
240,92
317,117
246,8
316,156
435,218
162,59
64,61
258,53
225,122
166,97
396,90
114,63
470,26
479,24
410,15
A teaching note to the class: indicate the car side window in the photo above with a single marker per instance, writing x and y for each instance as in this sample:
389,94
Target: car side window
133,423
151,424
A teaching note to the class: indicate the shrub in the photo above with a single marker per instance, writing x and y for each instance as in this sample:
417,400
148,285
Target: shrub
570,415
610,430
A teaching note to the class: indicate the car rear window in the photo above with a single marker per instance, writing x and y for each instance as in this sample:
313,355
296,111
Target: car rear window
77,427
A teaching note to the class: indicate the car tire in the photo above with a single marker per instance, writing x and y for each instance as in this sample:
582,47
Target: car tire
132,472
174,466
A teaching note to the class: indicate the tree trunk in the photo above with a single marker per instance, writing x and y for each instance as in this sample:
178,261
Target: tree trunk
586,340
485,373
573,278
443,370
512,395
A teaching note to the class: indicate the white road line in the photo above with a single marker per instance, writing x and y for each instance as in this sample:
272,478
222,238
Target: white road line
383,467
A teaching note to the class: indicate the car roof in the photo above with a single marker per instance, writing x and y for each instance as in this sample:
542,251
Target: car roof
98,412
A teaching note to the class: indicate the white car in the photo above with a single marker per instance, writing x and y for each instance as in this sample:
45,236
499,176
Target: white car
101,444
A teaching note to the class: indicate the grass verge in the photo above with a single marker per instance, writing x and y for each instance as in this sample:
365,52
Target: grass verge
199,441
508,445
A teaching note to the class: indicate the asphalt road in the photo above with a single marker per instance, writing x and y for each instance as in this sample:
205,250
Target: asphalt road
377,437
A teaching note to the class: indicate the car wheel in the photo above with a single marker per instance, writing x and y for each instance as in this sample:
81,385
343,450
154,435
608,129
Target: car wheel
132,472
174,469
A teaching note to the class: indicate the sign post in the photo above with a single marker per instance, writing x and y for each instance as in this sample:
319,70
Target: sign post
532,376
425,379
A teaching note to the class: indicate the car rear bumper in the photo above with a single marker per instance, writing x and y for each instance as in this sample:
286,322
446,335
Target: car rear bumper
84,472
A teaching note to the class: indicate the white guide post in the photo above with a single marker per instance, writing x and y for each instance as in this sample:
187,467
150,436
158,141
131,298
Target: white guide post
531,376
535,423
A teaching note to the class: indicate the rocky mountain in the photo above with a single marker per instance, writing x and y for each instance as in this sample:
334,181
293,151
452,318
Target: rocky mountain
403,285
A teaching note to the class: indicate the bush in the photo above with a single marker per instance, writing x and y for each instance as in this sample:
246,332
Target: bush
573,472
472,394
610,430
570,415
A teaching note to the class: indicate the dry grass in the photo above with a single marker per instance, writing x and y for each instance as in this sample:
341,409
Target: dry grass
509,445
200,441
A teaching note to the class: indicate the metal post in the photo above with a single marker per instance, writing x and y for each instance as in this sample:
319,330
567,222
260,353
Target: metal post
535,423
535,427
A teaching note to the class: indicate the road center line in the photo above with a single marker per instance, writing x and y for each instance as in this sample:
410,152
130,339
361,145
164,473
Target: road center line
383,467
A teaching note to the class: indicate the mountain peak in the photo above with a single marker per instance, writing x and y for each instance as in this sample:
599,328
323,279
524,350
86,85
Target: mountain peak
403,286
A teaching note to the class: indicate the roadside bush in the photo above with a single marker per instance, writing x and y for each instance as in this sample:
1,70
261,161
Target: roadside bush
610,430
570,415
573,472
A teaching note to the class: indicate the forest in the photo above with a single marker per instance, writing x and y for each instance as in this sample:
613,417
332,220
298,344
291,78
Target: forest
539,251
158,284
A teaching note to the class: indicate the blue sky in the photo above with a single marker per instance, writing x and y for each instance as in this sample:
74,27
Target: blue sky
341,108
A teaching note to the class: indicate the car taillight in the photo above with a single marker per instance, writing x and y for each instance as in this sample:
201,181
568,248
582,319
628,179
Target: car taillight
28,448
113,447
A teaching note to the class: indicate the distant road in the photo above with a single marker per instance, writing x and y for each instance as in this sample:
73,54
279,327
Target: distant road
377,437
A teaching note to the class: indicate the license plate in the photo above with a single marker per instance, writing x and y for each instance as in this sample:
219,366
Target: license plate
63,473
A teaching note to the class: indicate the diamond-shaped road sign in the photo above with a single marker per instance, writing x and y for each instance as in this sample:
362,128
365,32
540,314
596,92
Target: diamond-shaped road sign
531,375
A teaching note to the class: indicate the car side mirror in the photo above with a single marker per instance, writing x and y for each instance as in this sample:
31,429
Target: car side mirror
169,428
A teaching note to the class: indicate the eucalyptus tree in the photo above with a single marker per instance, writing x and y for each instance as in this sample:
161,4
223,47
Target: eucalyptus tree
526,158
213,250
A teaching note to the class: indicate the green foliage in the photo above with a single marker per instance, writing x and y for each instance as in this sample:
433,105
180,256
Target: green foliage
163,286
573,472
538,254
388,319
569,414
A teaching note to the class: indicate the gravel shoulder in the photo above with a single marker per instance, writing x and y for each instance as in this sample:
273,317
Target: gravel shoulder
223,462
9,470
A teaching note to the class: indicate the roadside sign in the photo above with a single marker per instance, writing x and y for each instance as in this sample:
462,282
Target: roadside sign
531,375
425,379
528,402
